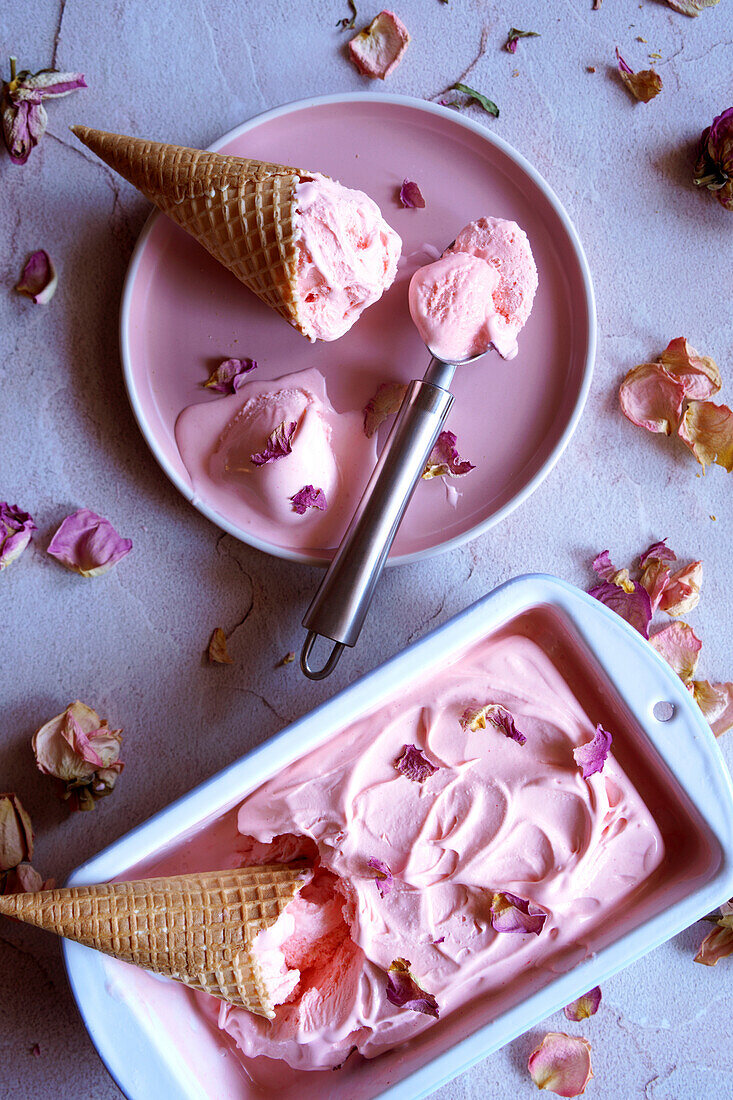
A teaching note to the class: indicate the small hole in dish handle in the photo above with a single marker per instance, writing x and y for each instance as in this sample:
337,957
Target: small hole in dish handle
663,711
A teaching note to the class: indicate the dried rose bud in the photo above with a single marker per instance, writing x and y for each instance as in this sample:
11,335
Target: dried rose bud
644,85
38,279
24,117
714,168
16,833
513,38
16,530
78,748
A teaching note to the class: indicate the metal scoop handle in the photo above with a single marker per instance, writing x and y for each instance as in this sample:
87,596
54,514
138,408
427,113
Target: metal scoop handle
340,606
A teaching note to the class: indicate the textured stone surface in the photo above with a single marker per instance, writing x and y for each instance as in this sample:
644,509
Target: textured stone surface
131,643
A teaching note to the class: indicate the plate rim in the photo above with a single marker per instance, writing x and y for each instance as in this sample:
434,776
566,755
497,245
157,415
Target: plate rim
291,554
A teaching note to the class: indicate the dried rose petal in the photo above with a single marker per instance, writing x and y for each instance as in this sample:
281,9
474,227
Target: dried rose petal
16,833
24,879
16,531
644,85
229,376
414,765
652,398
584,1006
378,50
444,459
515,35
386,401
591,757
707,429
38,279
384,879
717,945
716,703
510,913
286,660
680,647
691,7
78,748
309,497
411,196
404,992
24,117
683,591
88,544
635,607
658,550
475,718
218,652
278,444
561,1063
714,168
655,578
604,567
699,374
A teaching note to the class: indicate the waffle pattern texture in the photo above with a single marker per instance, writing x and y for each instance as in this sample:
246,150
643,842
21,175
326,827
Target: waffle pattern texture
197,929
240,210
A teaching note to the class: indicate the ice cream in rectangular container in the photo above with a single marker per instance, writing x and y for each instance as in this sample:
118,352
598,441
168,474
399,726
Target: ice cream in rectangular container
615,863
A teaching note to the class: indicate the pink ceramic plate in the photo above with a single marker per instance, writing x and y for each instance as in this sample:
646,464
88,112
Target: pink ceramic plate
182,312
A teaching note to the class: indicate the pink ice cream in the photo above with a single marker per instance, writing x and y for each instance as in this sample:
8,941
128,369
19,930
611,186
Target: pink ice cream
329,451
495,815
346,255
478,294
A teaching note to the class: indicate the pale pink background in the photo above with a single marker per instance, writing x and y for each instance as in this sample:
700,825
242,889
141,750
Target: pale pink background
131,643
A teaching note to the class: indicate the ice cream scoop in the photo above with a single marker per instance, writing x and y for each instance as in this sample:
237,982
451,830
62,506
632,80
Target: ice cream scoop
476,296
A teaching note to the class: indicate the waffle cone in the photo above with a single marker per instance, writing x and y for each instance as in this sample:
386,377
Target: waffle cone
240,210
197,929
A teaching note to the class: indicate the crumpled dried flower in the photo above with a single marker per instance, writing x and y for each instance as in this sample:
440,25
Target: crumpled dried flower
584,1006
682,593
16,833
309,497
644,85
699,374
278,444
24,879
635,607
473,97
475,718
38,279
78,748
230,375
561,1063
218,652
413,764
88,544
515,35
16,531
604,567
658,550
655,578
444,459
404,992
591,756
717,945
691,7
384,878
714,168
384,403
510,913
707,429
716,703
652,398
378,50
411,196
24,117
680,647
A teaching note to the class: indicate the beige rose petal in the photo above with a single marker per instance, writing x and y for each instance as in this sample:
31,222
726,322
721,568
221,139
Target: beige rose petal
561,1063
218,652
680,647
716,703
682,594
698,373
707,429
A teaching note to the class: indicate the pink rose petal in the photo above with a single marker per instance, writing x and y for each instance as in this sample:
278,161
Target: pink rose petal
680,647
404,992
584,1006
658,550
635,607
698,373
444,459
510,913
384,877
717,945
278,444
655,578
475,718
16,531
413,764
652,398
716,703
561,1063
411,196
682,594
591,757
378,50
230,375
88,544
309,497
384,403
38,280
707,429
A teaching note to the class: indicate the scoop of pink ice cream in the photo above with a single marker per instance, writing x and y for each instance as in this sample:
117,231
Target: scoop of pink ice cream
346,255
460,308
